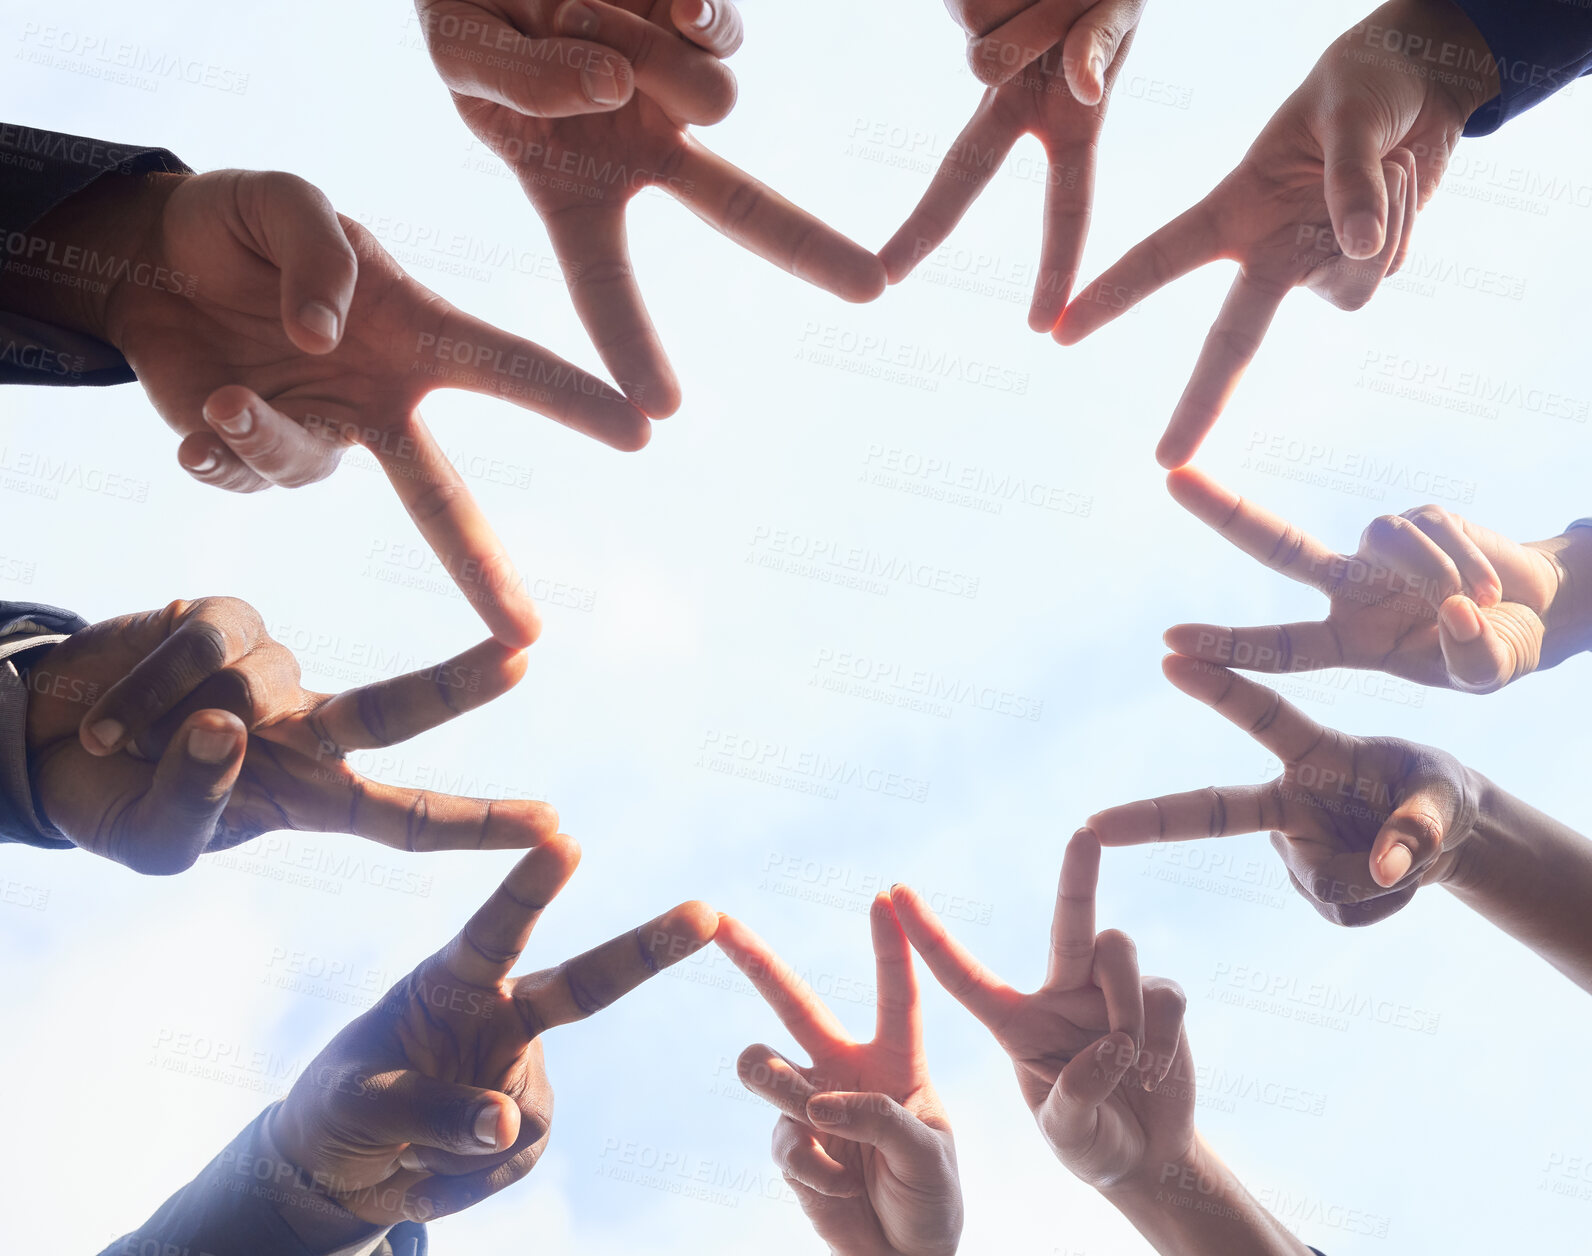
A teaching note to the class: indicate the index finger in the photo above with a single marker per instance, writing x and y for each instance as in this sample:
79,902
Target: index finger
1189,241
1263,713
485,951
761,220
1072,928
899,1017
800,1010
579,987
967,981
1230,347
457,531
1268,539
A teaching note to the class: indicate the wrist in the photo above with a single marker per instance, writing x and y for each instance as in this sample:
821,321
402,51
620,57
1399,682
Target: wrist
1464,864
1437,42
85,253
1567,622
321,1223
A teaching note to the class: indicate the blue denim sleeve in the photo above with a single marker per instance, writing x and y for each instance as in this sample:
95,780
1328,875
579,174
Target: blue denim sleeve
1541,47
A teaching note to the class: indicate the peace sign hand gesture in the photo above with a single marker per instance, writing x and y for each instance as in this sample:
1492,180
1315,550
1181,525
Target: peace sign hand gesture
1361,822
437,1098
198,736
1428,596
1093,1045
863,1139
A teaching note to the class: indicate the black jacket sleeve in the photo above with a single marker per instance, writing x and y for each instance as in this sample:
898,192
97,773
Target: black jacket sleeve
25,627
38,170
1541,47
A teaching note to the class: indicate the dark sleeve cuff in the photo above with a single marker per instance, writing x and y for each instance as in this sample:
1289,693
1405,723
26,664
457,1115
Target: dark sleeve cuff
24,627
38,170
235,1207
1541,47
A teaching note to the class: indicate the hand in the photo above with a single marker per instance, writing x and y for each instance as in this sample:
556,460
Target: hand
1326,197
863,1141
1093,1046
199,737
1428,596
281,334
1060,98
436,1098
1360,822
581,171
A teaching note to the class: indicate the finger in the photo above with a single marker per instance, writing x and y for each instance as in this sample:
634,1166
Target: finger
1069,201
691,84
276,448
1164,1007
1303,647
485,951
965,171
1072,927
303,237
1410,206
456,529
880,1122
1263,713
212,635
1350,283
964,978
1198,814
591,246
1339,884
1355,186
1000,54
410,1107
1116,972
1409,840
1230,347
391,711
1191,240
1265,537
1416,565
1093,44
1071,1113
167,829
1450,534
1486,649
800,1010
472,354
899,1019
764,222
540,78
579,987
769,1075
206,457
711,24
800,1158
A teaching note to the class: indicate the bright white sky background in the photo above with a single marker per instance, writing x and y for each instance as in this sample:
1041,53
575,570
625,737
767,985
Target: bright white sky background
147,1020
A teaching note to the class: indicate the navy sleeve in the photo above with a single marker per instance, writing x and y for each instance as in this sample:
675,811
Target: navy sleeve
1541,47
38,170
235,1207
25,627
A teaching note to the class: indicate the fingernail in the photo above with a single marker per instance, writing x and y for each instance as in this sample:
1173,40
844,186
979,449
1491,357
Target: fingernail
486,1126
409,1159
601,85
320,318
207,745
822,1113
1395,865
107,732
1361,235
703,19
237,425
205,465
1460,620
1097,68
576,18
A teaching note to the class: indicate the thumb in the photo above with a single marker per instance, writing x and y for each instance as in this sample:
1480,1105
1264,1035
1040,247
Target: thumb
1484,650
1355,186
303,237
874,1119
1410,838
1070,1113
170,826
430,1115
